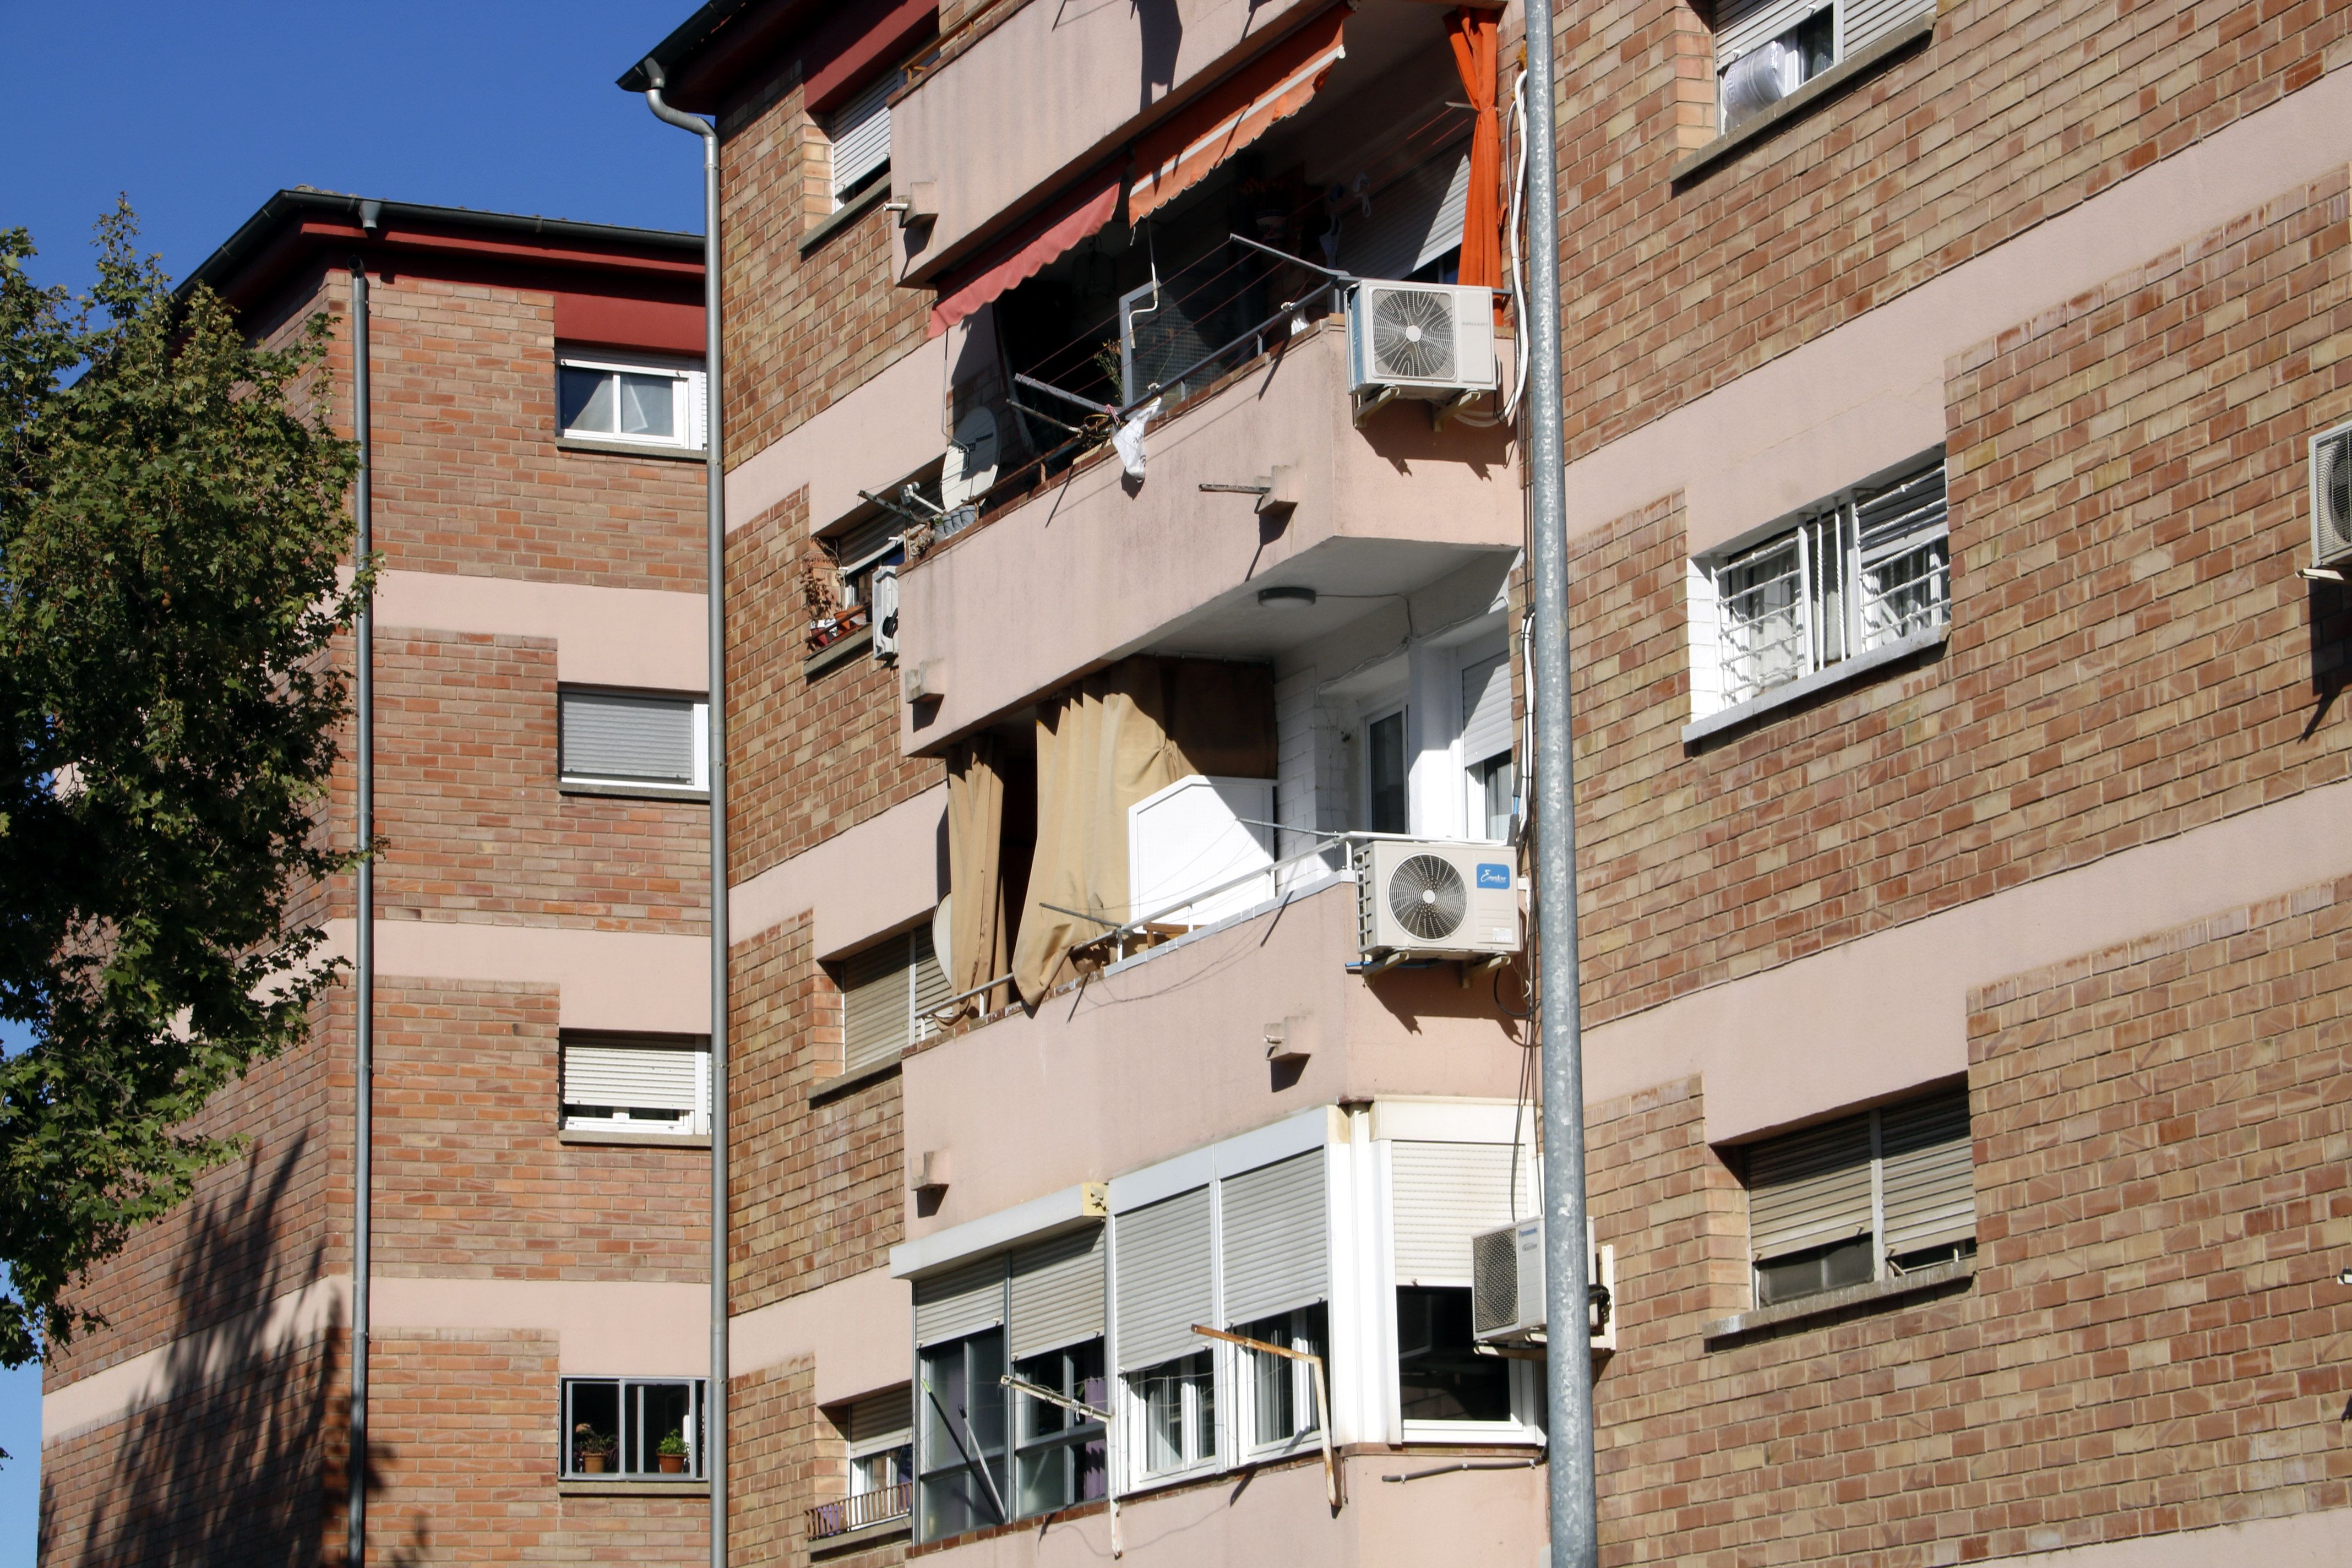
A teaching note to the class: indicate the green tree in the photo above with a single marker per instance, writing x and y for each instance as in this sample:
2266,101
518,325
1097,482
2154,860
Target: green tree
171,521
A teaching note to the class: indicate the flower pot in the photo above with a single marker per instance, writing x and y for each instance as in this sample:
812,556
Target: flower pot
592,1464
672,1464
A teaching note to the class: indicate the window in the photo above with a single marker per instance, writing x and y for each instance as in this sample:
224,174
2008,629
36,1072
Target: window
1060,1456
1767,49
633,1426
1441,1377
866,558
1179,1400
860,133
879,1433
1487,745
1861,572
889,993
1283,1403
612,1083
1443,1193
633,742
1862,1198
643,403
962,1486
1387,794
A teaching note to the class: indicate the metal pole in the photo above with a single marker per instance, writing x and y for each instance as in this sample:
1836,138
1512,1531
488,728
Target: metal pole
715,583
364,1065
1575,1540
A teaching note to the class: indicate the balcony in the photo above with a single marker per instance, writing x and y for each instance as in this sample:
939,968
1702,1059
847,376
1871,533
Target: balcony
1096,566
860,1511
1169,1050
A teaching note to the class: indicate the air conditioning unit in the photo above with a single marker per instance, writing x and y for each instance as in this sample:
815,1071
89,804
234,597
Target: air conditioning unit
1507,1287
1420,339
1425,899
2331,496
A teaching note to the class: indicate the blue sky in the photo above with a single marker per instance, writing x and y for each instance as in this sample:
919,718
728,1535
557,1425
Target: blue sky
199,113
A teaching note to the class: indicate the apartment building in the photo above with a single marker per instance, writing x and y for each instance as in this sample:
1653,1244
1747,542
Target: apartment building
540,1184
1123,591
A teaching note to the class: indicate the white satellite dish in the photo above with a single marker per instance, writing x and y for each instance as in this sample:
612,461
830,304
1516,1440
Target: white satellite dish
971,466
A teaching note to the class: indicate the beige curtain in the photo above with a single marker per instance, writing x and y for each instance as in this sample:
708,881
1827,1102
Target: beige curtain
976,923
1104,743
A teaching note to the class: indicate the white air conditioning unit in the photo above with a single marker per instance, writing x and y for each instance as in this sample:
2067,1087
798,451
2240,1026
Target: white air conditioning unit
1507,1287
2331,496
1420,339
1426,899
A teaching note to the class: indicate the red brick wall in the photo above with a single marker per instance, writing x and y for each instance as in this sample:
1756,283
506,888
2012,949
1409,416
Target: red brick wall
2132,654
2149,1342
472,1178
475,825
2012,114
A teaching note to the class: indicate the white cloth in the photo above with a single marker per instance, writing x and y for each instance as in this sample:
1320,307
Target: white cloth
1128,441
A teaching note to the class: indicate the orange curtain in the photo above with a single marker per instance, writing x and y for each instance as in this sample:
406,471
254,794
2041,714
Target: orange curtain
1277,84
1473,35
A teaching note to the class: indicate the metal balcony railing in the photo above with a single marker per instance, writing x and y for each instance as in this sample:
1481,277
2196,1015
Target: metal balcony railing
858,1512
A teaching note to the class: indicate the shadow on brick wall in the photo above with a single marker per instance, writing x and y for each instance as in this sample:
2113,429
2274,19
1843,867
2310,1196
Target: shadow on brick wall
2331,649
244,1463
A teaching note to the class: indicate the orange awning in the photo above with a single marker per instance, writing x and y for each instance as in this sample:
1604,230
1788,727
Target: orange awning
1274,86
1073,218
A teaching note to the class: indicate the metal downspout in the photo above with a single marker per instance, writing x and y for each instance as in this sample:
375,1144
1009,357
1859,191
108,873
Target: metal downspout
363,925
1568,1365
715,1411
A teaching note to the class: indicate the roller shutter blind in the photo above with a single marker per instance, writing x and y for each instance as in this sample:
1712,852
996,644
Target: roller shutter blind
1057,1293
638,740
1162,1258
1810,1188
1415,218
635,1076
1861,23
961,1301
1929,1177
1445,228
1486,709
879,1417
1741,24
860,130
889,993
1276,1255
1444,1195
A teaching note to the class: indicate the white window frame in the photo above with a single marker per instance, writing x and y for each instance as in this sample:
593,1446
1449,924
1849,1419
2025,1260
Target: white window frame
1473,799
695,1124
1395,706
1248,1364
687,398
1135,1417
873,97
1838,623
698,716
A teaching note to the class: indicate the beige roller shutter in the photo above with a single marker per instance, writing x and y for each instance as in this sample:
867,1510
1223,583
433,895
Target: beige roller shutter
1741,24
1057,1292
879,1417
1861,23
1161,1256
1809,1188
1276,1249
1486,709
930,986
877,1005
962,1301
1444,1195
1929,1181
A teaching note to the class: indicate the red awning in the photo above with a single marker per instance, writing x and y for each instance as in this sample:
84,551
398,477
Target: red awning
1274,86
1062,226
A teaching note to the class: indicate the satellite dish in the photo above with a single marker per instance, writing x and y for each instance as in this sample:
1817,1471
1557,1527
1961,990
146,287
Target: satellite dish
943,942
971,466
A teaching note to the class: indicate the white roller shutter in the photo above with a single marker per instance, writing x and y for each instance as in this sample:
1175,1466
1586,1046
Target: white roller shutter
930,984
1057,1293
1445,1195
1276,1251
1415,218
1929,1175
1163,1262
889,993
628,1076
1809,1188
1741,24
1486,709
879,1417
647,740
962,1301
860,130
1861,23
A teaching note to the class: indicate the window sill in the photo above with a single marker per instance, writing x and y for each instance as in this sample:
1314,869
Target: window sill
1810,686
633,792
1828,84
630,1486
857,207
842,652
619,1140
898,1529
1831,1303
827,1089
632,449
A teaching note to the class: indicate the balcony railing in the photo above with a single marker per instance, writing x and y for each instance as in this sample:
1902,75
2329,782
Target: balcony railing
861,1510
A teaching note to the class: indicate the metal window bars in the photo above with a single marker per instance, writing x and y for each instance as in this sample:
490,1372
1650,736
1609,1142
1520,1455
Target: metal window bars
861,1510
1873,567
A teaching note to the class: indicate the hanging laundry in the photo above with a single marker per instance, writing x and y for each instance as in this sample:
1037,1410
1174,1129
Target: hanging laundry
1129,439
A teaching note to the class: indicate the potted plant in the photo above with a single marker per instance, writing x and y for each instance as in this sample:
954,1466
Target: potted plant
672,1453
591,1449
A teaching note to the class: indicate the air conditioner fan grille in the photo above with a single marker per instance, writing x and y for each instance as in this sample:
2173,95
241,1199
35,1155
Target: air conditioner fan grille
2334,493
1494,1273
1427,896
1412,334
